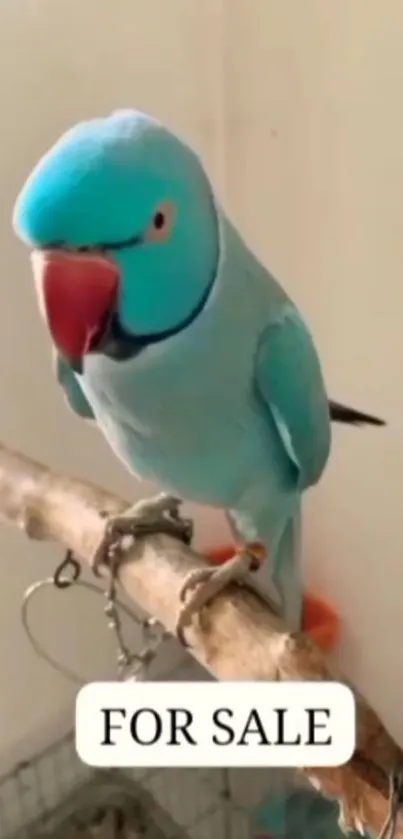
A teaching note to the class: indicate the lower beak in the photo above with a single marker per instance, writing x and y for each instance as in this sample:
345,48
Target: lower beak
78,295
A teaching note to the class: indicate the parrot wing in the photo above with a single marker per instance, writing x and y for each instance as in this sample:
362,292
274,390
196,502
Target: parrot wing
290,382
74,395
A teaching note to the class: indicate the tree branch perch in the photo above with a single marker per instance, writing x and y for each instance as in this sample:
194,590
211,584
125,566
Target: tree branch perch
240,638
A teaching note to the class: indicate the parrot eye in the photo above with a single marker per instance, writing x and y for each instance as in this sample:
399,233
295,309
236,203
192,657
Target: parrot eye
162,223
159,220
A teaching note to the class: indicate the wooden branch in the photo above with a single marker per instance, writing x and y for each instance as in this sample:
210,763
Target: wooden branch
240,638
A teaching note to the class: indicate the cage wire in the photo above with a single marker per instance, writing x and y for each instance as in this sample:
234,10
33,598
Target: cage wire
55,795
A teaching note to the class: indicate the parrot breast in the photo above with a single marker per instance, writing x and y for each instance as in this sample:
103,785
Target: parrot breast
184,412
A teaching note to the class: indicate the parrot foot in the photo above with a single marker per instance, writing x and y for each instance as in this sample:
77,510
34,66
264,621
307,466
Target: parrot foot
205,583
153,516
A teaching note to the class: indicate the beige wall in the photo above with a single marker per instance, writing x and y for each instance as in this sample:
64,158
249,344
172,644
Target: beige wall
296,108
314,107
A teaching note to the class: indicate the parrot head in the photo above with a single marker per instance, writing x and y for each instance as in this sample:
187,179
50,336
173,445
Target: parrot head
124,239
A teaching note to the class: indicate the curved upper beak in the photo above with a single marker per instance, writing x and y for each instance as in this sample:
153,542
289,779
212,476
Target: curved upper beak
77,295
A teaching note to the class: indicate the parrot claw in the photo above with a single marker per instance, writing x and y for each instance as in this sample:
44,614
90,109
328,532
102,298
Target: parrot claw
350,821
153,516
204,584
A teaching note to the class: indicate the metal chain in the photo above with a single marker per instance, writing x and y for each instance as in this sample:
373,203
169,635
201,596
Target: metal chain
389,830
130,665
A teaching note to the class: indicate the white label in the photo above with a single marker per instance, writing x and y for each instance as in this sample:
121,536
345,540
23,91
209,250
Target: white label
208,724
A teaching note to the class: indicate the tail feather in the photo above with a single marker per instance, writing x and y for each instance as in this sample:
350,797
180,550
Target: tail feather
349,416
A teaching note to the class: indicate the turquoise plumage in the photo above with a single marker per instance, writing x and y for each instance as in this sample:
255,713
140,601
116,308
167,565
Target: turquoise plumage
202,374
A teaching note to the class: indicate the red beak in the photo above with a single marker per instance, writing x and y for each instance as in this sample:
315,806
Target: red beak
78,295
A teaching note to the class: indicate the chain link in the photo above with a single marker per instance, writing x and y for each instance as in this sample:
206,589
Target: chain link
131,665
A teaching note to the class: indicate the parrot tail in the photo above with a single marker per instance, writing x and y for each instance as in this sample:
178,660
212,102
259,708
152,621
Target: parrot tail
349,416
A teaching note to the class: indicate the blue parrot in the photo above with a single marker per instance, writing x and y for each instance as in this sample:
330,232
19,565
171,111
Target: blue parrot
180,345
